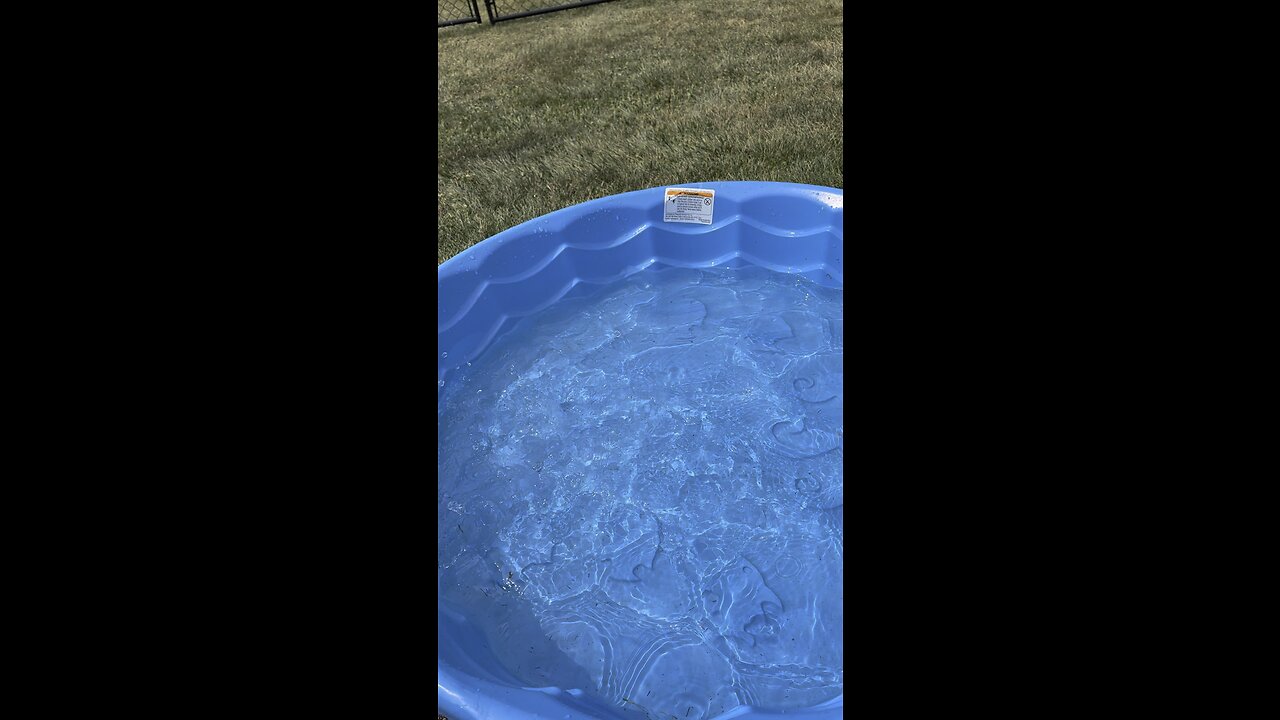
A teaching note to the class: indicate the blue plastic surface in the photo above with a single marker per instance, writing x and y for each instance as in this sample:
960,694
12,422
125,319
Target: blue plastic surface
484,290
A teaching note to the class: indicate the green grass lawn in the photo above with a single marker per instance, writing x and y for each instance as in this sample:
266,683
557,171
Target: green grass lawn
544,112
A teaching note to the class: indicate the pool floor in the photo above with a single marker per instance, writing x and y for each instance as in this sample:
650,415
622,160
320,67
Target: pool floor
642,492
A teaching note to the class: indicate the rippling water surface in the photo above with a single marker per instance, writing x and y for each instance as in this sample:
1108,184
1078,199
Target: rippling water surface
641,493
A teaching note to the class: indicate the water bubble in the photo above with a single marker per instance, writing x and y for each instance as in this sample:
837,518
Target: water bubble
441,383
444,354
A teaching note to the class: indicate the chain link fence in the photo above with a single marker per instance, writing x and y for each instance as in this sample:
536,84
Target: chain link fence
456,12
500,10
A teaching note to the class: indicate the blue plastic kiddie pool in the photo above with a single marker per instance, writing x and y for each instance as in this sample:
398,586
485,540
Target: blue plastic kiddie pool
688,361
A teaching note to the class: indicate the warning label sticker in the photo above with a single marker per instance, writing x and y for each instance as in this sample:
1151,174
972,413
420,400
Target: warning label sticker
691,205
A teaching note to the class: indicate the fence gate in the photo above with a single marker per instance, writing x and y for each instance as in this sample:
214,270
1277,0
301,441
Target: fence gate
456,12
500,10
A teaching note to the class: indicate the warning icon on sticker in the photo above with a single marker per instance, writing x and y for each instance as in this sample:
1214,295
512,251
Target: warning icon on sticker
689,205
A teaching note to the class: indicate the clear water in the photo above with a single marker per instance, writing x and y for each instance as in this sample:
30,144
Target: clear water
642,495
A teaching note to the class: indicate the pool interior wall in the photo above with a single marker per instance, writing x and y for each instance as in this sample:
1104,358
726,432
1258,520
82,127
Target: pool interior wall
483,292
